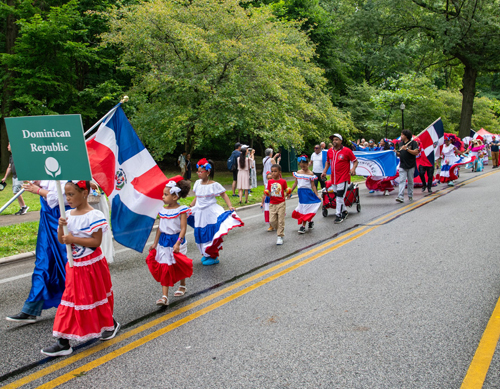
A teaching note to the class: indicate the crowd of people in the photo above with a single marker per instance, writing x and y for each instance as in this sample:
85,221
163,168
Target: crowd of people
83,293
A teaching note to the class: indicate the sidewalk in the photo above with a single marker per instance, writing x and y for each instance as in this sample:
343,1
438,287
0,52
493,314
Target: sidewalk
7,220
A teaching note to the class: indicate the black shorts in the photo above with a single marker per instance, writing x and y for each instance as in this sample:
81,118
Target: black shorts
235,175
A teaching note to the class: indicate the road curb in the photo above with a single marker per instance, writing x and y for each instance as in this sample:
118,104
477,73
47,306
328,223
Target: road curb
17,257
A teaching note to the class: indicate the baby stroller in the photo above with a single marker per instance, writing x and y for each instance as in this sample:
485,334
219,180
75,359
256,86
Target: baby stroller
351,197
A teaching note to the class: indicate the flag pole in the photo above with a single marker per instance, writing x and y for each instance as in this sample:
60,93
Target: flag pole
429,126
62,209
12,200
112,111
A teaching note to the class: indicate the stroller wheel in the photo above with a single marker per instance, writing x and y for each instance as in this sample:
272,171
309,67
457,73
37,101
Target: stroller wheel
358,207
325,212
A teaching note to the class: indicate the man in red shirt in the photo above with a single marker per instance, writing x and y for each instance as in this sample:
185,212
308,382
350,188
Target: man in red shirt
340,158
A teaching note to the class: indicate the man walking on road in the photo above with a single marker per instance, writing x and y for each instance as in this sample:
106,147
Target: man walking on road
340,158
234,165
407,154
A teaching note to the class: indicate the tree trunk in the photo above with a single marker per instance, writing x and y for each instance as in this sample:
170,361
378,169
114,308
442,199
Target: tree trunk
468,92
5,103
188,147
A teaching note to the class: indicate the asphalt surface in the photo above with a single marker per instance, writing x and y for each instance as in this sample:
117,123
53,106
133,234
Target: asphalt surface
402,302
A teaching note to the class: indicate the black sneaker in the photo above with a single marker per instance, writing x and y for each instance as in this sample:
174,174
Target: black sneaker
22,317
345,214
302,230
20,212
107,335
338,219
310,225
24,210
423,189
60,348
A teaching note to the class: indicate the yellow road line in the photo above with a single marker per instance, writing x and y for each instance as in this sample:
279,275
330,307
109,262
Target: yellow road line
139,342
75,358
476,374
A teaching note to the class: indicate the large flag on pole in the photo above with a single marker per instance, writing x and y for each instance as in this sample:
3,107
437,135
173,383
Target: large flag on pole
376,163
431,140
129,176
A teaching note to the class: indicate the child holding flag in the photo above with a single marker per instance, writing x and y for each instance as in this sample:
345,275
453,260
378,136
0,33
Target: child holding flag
86,309
277,189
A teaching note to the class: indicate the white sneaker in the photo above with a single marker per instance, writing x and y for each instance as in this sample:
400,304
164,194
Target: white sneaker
386,193
279,241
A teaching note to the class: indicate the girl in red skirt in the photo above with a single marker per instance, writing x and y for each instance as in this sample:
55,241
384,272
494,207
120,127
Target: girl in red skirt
86,309
167,259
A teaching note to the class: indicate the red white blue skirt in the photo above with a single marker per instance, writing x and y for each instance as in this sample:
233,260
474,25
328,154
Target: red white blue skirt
446,164
168,267
309,204
208,235
86,308
381,184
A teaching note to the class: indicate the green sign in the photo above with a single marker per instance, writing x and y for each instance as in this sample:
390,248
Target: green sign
49,147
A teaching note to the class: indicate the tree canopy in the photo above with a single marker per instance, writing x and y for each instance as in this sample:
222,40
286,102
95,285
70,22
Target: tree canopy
205,73
207,68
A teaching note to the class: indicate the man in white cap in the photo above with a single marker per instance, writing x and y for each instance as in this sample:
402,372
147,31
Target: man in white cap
340,158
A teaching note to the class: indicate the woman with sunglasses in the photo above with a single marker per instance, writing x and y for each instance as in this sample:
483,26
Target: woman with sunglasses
309,202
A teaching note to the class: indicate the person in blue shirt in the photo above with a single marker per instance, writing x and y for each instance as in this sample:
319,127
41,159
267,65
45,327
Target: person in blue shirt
371,146
495,143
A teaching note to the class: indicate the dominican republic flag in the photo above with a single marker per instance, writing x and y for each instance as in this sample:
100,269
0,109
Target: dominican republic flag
432,140
474,135
129,176
376,163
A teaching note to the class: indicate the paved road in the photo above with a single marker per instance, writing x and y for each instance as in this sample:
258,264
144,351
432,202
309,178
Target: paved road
398,296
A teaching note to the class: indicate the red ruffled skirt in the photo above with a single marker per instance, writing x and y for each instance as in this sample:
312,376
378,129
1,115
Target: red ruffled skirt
168,275
381,185
86,308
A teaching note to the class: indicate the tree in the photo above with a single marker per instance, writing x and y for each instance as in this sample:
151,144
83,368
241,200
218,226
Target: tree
52,63
448,31
209,68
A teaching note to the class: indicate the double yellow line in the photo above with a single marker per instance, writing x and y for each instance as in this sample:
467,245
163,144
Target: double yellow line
278,270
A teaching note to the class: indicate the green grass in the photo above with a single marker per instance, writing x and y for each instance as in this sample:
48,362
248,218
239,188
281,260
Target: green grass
18,238
223,177
31,200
